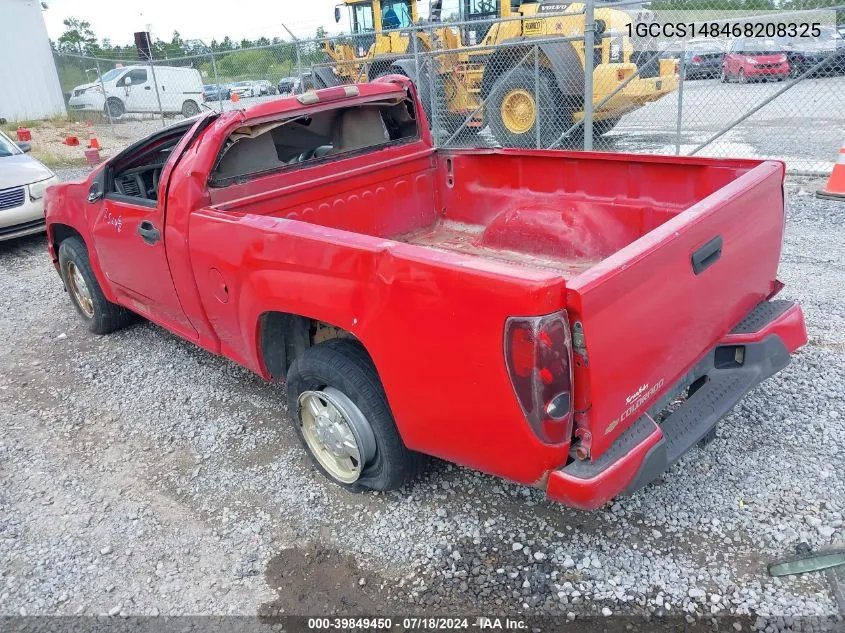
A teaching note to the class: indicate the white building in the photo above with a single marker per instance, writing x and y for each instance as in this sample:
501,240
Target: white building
29,84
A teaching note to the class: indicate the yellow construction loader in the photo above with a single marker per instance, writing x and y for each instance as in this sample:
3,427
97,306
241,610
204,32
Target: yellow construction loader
515,65
375,40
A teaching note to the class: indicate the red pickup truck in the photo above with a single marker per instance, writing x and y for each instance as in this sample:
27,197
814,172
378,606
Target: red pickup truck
572,321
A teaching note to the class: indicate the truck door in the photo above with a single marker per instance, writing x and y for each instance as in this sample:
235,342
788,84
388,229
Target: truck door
138,93
129,230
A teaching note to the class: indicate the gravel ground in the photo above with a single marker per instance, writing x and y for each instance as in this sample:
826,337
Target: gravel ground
142,475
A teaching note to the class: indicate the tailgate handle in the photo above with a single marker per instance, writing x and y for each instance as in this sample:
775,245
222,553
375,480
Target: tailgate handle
706,256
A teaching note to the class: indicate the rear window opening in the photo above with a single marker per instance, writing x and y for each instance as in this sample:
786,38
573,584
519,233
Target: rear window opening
269,147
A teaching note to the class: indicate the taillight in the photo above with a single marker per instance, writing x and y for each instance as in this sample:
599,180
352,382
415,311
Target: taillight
538,353
696,59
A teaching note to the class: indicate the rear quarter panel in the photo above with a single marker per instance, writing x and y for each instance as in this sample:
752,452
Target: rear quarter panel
432,322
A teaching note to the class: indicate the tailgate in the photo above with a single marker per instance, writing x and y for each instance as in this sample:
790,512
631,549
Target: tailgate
648,316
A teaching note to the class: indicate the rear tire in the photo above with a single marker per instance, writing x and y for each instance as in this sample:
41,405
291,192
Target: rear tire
514,114
190,108
100,315
339,374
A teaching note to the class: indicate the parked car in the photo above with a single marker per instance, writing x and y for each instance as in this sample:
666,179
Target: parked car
328,243
23,180
133,89
296,85
701,60
245,89
265,87
750,59
216,92
824,54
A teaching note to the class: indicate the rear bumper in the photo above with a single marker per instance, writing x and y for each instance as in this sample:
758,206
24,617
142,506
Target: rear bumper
703,70
650,89
768,335
778,71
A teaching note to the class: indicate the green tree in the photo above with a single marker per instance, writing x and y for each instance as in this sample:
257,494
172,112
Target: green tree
78,37
246,64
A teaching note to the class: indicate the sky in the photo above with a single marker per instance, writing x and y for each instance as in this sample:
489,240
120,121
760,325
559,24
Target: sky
117,20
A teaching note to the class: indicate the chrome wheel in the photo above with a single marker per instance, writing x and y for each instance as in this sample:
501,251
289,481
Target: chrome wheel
79,290
336,432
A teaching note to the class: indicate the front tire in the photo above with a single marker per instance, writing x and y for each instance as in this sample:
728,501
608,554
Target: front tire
339,410
190,108
114,108
100,315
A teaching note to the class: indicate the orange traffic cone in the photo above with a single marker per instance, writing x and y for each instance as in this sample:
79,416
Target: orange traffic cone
835,189
93,143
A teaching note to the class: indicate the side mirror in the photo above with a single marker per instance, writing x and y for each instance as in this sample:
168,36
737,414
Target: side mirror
127,81
337,14
96,191
24,146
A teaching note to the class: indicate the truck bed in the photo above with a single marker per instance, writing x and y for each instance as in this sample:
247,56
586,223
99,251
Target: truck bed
661,257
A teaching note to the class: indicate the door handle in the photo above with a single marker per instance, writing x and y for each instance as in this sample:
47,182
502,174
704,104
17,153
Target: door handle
149,233
147,88
706,256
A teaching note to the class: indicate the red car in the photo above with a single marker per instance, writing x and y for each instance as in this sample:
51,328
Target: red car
750,59
571,321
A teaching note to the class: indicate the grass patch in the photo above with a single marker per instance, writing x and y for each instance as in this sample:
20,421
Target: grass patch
52,159
11,127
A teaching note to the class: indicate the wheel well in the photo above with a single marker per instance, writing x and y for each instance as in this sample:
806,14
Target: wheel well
558,60
283,336
60,232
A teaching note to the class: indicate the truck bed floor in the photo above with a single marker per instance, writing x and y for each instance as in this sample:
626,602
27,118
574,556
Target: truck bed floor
463,238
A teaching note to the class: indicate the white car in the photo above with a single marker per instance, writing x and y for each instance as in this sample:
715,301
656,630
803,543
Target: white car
133,89
245,89
23,180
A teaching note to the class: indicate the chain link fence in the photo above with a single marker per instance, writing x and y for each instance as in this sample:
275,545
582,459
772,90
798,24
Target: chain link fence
755,84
